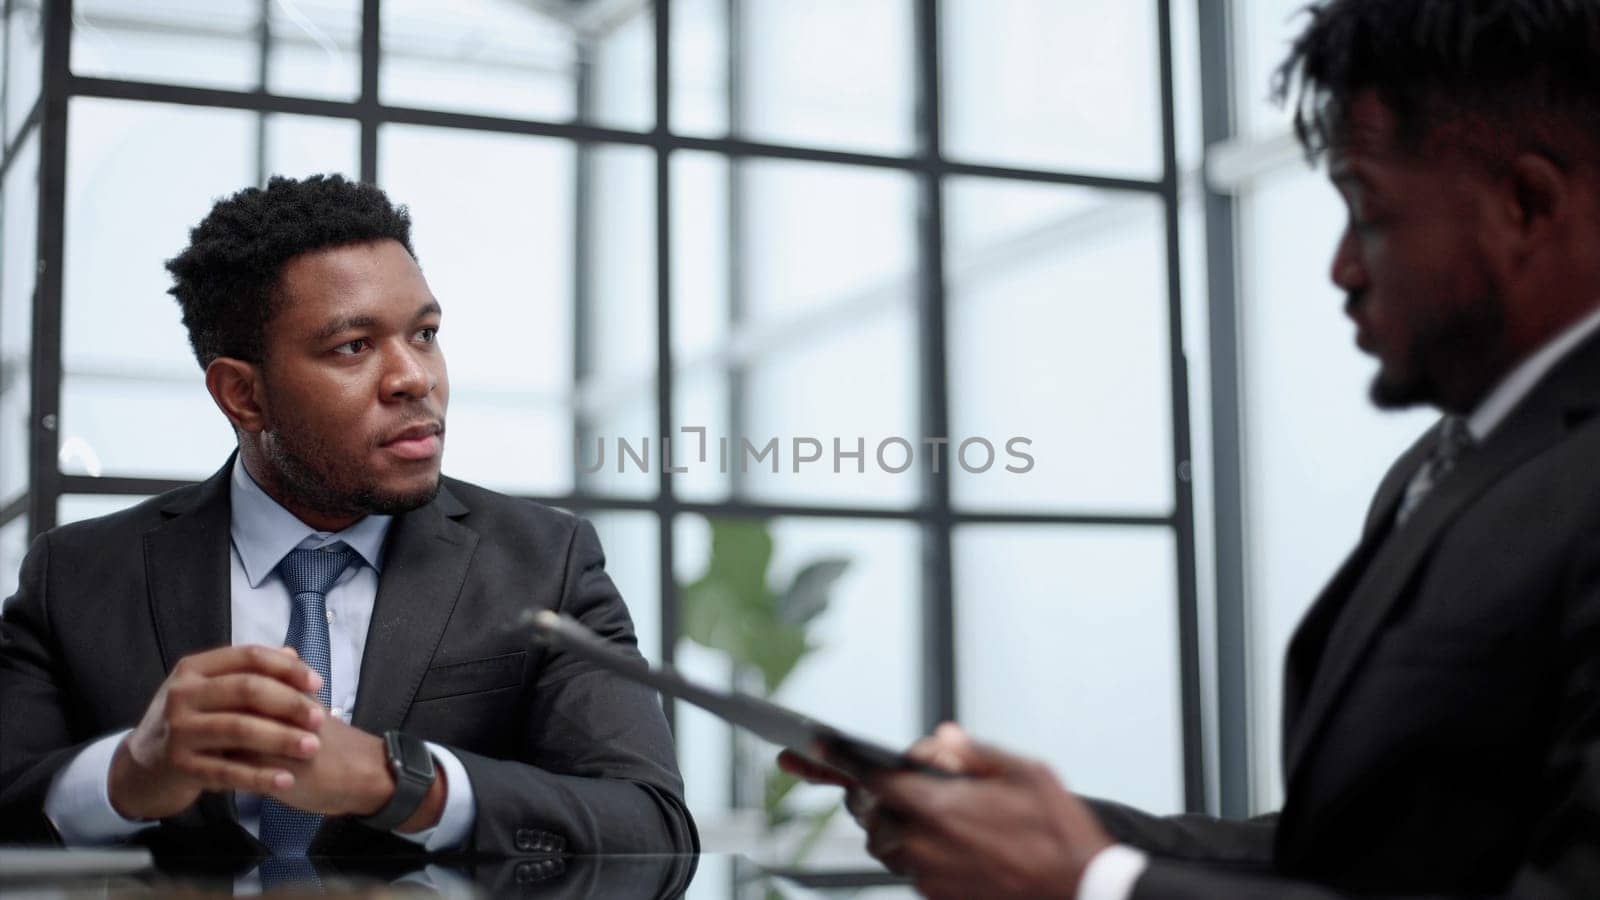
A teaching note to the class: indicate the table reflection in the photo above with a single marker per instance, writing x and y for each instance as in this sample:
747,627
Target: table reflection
708,876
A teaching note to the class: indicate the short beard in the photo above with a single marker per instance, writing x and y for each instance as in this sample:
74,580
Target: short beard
1451,361
310,485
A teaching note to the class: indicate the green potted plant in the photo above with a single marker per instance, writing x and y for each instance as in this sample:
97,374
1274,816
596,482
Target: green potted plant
765,631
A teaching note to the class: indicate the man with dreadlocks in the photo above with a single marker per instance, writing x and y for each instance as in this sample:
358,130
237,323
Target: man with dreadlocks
1442,695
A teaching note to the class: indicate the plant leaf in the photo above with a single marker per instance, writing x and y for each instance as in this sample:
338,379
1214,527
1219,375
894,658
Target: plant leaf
779,785
819,823
778,651
741,551
808,593
726,607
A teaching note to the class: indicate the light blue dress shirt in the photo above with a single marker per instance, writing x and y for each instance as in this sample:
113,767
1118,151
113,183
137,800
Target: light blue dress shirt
263,533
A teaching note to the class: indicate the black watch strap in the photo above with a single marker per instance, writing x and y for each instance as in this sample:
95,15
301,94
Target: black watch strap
412,767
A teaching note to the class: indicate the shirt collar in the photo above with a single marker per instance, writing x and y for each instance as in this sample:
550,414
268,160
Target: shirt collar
264,532
1515,386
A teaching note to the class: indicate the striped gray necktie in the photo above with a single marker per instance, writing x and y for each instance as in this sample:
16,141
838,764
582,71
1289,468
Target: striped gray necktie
1455,439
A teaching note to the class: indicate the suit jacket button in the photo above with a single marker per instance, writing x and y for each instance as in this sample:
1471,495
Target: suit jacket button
525,840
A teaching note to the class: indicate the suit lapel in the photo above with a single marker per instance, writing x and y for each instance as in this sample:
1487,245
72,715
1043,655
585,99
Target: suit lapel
187,572
1564,397
186,562
1311,637
424,567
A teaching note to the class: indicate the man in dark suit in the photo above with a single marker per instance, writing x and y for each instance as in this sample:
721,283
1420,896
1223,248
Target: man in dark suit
318,650
1442,702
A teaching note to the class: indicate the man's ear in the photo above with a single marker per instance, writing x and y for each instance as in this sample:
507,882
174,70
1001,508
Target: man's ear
1538,201
236,387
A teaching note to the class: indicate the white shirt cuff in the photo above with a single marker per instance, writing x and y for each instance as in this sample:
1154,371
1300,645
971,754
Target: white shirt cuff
78,802
460,807
1112,873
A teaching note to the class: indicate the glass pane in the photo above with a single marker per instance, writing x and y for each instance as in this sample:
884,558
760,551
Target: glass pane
859,666
521,60
493,228
214,43
77,507
616,398
1045,84
700,66
24,61
700,326
802,84
819,362
14,409
623,50
1088,678
1305,505
313,48
18,265
133,400
1265,30
13,546
1058,336
297,146
632,544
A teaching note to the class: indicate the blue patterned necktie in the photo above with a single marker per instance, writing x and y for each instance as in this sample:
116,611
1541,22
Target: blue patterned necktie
308,574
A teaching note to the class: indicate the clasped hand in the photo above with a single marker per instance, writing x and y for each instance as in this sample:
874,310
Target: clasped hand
1007,829
245,718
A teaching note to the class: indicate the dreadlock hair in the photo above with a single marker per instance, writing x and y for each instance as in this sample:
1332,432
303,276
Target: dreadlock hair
1493,78
226,280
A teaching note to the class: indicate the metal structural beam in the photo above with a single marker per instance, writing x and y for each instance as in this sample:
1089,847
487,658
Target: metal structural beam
1227,456
44,471
939,676
666,545
1194,782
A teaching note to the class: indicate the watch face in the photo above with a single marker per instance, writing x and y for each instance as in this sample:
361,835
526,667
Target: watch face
415,758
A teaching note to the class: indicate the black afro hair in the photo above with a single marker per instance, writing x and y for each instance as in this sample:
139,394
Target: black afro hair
225,279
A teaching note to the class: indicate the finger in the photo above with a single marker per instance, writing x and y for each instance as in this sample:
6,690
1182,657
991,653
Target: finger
906,792
862,806
947,739
933,865
218,773
253,734
272,662
980,758
948,748
943,884
262,696
886,843
812,770
269,761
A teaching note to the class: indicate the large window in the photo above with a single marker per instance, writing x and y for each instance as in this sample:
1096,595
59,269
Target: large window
868,310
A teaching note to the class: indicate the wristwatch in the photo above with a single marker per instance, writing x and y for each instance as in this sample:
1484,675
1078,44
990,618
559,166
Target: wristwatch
413,770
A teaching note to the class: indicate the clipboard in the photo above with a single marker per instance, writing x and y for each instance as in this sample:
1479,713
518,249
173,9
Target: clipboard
817,741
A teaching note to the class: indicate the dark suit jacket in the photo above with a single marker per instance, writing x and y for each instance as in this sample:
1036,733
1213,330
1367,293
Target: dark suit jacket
1442,696
562,757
